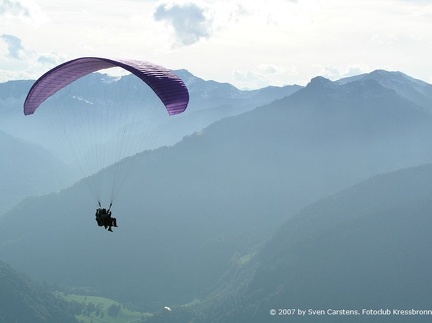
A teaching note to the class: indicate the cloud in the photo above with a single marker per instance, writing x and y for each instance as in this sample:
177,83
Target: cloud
333,72
264,74
189,22
48,59
14,46
19,62
15,8
25,11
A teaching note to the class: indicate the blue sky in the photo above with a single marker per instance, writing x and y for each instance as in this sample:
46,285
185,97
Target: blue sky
250,44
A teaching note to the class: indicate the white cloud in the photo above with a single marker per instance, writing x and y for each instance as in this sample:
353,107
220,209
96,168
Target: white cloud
26,11
264,75
333,72
14,8
19,62
189,22
14,47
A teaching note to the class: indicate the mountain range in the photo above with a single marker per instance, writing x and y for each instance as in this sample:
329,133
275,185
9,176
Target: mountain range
210,101
227,214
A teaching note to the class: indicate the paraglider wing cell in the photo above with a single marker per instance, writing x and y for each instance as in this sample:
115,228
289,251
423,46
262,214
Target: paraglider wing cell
169,88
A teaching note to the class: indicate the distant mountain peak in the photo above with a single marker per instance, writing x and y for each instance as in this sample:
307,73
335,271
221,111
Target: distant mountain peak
320,88
319,80
321,84
391,79
387,76
187,77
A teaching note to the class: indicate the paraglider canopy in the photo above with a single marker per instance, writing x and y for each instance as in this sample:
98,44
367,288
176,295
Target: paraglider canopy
168,87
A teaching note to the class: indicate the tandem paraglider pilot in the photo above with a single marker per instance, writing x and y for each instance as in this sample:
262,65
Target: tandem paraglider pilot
168,87
104,218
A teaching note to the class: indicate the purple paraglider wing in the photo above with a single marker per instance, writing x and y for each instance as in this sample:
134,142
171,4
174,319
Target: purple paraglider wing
168,86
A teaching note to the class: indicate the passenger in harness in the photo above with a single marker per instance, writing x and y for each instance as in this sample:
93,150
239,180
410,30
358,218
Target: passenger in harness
104,218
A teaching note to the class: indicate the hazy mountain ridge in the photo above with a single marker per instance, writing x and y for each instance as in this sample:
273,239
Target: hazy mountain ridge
412,89
22,301
363,248
192,209
211,94
14,90
27,170
209,102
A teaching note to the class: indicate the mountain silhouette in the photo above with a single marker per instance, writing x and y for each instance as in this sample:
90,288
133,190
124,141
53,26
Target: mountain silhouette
363,248
23,300
188,210
27,170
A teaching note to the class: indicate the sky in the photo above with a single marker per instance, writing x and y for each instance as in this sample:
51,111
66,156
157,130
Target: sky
250,44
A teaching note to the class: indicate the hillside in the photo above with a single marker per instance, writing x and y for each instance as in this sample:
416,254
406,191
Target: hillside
364,248
23,301
27,170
